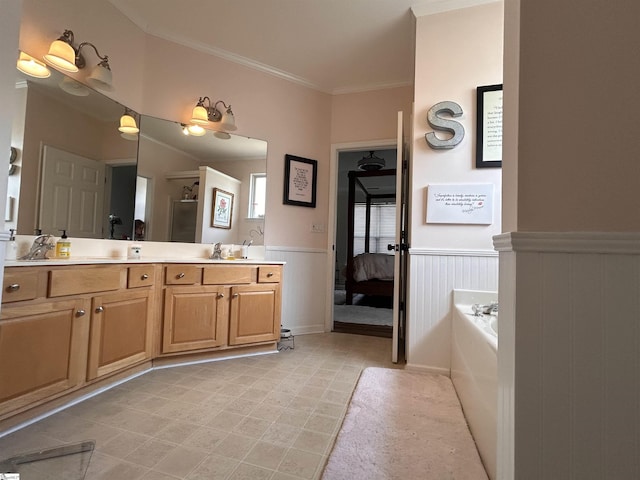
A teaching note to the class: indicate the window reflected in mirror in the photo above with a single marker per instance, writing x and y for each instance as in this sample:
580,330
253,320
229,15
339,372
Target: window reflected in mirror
258,195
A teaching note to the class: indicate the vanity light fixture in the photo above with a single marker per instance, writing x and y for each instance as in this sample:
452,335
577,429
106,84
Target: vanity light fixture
64,55
202,114
128,123
32,67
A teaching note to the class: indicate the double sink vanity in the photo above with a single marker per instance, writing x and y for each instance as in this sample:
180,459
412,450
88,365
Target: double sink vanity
68,328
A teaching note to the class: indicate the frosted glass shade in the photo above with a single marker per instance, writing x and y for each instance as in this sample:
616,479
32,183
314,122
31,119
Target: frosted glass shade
199,116
32,67
100,78
62,55
128,124
228,121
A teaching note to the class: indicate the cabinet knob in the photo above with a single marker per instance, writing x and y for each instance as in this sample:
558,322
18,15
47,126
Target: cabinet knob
144,276
270,274
80,313
14,287
234,295
221,295
99,309
180,275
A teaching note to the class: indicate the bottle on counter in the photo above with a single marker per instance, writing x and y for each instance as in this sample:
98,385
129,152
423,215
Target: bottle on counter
63,246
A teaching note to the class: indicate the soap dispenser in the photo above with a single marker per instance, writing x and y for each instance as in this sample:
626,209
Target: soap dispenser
63,246
11,252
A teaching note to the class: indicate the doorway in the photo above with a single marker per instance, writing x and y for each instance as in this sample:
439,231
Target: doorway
365,206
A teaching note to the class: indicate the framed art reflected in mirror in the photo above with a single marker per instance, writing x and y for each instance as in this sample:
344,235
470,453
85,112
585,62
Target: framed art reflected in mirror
222,208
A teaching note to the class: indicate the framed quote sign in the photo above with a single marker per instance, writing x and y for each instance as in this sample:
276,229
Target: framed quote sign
460,204
300,178
489,126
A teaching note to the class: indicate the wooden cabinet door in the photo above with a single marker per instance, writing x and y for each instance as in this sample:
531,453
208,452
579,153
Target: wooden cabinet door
255,314
194,318
121,331
43,351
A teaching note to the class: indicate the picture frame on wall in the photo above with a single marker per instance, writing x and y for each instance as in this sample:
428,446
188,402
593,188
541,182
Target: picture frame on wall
489,126
300,179
222,208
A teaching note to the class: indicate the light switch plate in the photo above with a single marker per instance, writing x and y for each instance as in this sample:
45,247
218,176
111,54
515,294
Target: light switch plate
317,228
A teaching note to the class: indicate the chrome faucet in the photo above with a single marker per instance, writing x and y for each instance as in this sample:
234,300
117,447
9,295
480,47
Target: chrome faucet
41,245
217,251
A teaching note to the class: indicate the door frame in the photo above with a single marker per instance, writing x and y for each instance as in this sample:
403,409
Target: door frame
336,149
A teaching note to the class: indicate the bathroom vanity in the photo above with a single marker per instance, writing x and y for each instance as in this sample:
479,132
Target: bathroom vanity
67,329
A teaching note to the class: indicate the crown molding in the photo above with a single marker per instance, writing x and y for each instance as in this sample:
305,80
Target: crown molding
244,61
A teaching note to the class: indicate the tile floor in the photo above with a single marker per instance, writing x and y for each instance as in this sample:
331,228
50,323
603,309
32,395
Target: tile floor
265,417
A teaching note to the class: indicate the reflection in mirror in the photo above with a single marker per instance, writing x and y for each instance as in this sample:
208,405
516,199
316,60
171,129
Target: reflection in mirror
180,173
75,170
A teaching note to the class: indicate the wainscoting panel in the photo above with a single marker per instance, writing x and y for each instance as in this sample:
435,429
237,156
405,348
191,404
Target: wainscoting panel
303,288
433,274
569,356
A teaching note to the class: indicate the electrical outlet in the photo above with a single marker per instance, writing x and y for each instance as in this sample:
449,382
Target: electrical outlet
317,228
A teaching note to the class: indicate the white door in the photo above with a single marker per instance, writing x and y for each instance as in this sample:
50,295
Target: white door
400,247
71,194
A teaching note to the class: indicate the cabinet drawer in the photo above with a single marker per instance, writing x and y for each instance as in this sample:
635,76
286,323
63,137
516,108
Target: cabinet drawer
182,274
21,286
140,276
269,273
229,274
75,281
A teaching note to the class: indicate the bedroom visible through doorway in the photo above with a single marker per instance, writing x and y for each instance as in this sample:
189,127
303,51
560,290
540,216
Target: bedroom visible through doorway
365,226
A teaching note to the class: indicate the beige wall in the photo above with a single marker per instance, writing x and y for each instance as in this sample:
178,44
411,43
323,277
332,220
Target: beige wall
578,144
369,115
456,51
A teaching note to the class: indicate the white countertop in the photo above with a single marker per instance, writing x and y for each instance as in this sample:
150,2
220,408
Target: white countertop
87,251
110,260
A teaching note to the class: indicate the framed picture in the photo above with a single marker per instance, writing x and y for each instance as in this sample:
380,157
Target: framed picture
489,126
300,178
221,209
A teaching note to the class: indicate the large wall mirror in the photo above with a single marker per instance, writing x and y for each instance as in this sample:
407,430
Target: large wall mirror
76,171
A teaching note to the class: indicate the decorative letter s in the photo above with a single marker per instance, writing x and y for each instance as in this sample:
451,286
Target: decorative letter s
438,123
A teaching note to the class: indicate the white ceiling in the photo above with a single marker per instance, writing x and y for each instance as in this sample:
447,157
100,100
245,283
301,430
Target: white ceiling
335,46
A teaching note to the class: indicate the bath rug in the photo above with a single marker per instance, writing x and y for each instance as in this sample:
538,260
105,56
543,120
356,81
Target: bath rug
404,425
